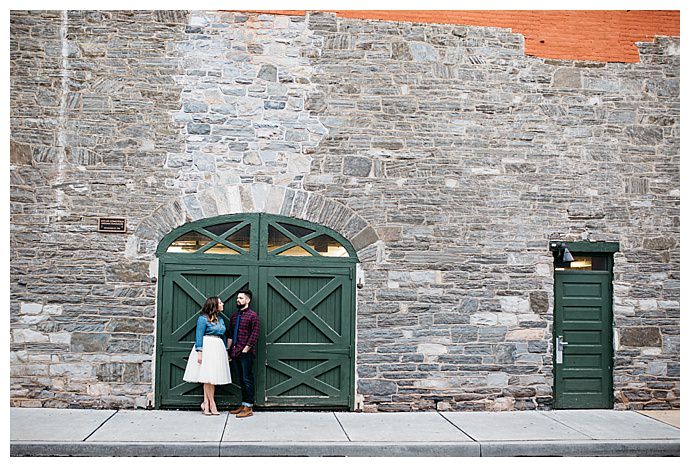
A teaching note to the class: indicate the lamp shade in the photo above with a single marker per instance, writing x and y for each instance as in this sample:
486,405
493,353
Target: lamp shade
567,257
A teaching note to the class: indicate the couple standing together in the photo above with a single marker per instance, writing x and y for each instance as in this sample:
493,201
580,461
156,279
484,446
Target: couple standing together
218,358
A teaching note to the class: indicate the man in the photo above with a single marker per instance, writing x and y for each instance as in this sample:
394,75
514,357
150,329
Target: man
244,325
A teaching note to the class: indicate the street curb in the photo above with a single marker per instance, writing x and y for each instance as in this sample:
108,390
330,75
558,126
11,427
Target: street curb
353,449
576,448
580,448
110,449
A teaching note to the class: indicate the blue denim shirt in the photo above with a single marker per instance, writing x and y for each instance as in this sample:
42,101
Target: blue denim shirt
206,328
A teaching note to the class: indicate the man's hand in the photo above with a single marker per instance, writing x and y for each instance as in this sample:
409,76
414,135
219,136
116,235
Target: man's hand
246,349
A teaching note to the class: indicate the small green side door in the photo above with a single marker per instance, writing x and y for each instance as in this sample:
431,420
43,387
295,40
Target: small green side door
583,329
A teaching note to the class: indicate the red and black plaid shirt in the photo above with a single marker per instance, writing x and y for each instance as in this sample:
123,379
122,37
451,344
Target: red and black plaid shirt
247,333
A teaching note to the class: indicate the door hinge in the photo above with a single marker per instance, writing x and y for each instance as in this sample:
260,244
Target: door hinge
333,351
184,268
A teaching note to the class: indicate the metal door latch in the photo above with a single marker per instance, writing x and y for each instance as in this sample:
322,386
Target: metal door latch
560,343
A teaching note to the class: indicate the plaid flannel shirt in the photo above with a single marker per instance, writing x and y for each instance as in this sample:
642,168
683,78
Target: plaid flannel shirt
247,334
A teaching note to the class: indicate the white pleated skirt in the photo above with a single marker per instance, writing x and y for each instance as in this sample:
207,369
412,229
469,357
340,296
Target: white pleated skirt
214,368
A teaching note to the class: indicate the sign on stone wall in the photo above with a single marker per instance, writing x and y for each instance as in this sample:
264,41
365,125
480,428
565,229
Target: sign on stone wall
112,224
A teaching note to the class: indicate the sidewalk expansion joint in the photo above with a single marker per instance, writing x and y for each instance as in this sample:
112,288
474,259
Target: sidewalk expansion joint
461,430
567,426
656,419
341,426
99,426
225,427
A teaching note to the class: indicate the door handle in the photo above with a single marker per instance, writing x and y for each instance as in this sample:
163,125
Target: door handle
560,343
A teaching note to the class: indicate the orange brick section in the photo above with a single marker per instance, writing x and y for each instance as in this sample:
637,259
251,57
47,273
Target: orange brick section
598,35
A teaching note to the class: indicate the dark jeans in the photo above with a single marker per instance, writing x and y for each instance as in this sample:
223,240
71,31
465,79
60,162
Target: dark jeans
241,372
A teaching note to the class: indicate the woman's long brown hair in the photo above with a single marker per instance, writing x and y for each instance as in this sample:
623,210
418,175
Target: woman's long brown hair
210,309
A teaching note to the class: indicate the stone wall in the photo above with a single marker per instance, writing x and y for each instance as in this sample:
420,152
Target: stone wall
444,153
91,96
478,156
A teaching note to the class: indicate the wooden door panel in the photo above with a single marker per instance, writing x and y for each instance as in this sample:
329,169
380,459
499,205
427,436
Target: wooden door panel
582,315
184,293
175,392
307,335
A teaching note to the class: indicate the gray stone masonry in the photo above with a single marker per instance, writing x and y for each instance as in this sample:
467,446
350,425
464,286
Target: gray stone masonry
472,156
444,154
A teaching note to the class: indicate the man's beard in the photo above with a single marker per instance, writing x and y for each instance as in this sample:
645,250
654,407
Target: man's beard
239,307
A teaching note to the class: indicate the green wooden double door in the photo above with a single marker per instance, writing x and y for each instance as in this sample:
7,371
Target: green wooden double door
306,314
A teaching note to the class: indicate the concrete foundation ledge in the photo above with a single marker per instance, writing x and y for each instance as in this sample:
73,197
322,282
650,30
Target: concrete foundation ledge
108,449
579,448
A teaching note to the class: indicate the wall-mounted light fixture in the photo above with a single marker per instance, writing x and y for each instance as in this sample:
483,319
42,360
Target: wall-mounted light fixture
561,253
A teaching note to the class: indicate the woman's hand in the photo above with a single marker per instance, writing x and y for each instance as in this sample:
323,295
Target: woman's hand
198,357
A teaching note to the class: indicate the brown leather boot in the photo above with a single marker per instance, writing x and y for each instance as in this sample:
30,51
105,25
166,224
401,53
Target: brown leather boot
237,410
246,412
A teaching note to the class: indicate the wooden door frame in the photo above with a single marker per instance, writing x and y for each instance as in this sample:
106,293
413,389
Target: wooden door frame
254,262
602,249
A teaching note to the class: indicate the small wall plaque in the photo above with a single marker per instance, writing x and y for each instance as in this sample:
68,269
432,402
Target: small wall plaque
112,224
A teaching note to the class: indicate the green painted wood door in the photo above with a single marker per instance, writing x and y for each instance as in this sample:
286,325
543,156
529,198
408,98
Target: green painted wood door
301,275
307,336
583,318
185,288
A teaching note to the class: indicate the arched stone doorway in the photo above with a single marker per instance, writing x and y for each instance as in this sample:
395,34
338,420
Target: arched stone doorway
302,275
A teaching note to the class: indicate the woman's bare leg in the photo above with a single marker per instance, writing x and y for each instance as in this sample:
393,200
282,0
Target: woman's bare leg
212,400
206,404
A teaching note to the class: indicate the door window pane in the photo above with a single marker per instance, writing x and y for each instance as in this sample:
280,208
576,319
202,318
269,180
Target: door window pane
295,251
276,239
188,243
241,238
585,263
219,249
296,230
327,246
220,229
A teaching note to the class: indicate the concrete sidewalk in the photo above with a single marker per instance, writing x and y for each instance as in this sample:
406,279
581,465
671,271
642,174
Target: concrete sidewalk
75,432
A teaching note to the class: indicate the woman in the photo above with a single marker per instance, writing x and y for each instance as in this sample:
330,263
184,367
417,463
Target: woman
208,360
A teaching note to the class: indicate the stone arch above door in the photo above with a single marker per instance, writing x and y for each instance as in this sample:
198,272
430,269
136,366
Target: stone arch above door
257,197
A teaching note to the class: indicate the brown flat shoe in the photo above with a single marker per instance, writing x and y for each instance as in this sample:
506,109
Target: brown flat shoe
246,412
237,410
